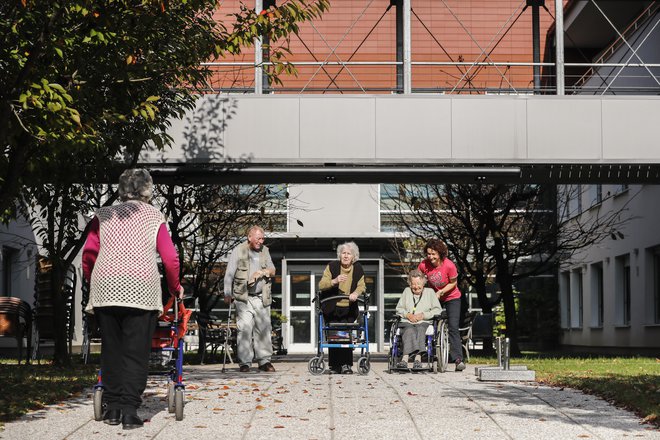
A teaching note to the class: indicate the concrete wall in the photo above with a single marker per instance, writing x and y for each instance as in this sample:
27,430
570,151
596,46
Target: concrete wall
422,129
640,236
335,210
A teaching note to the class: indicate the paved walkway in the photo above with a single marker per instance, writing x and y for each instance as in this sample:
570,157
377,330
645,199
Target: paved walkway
292,404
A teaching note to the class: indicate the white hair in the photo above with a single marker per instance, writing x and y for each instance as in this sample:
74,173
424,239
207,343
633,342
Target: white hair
355,251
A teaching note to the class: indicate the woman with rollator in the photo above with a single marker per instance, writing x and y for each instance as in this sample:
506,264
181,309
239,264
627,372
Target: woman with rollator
416,307
343,276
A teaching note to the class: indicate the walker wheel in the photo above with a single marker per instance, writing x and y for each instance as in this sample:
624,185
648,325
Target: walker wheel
316,366
98,404
178,404
363,365
170,397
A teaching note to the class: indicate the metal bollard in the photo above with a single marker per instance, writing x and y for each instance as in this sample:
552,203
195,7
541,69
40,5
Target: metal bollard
498,348
507,353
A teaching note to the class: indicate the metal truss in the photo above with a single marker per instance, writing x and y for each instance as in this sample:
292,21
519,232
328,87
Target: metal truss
345,74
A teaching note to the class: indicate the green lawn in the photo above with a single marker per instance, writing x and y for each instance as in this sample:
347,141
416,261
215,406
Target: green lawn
631,383
25,388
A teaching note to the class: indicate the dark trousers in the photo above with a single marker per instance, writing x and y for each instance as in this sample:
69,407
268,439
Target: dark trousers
453,308
125,347
340,356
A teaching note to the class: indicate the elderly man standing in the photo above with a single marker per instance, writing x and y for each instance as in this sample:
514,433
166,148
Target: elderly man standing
247,282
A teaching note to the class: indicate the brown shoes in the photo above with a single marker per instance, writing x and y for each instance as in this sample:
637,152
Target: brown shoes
244,369
268,367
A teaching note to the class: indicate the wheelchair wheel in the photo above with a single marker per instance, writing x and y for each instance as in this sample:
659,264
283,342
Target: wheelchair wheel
390,362
170,397
316,366
442,347
178,404
363,365
98,404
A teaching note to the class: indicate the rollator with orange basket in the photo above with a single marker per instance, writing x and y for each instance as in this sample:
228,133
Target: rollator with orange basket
166,358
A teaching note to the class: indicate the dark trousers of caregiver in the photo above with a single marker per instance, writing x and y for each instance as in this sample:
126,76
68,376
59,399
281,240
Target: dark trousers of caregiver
453,308
340,356
126,344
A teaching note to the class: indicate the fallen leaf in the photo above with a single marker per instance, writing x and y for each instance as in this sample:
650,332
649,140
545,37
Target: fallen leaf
260,407
278,426
200,426
410,393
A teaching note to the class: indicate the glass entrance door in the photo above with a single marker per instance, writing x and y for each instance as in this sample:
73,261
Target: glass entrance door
301,335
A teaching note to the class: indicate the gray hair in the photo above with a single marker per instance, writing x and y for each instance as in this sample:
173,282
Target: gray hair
416,273
353,248
254,228
136,184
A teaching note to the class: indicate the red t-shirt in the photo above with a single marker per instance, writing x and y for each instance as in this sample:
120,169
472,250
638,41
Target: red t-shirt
439,277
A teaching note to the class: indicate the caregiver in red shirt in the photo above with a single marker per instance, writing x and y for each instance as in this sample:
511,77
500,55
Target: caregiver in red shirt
442,277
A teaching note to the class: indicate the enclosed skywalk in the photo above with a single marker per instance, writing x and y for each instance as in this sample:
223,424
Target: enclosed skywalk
420,138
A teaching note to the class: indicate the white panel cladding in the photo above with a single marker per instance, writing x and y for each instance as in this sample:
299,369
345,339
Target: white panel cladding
484,128
337,128
340,210
263,128
631,129
564,129
413,128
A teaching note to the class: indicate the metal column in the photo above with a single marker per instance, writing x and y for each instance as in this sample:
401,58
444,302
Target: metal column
258,56
398,4
559,45
403,46
536,42
407,48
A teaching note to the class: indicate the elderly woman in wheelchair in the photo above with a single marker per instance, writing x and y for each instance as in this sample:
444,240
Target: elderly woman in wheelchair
414,330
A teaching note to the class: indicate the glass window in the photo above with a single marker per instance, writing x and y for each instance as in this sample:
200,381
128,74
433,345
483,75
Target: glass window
597,295
301,325
9,256
622,272
576,299
595,194
300,289
565,299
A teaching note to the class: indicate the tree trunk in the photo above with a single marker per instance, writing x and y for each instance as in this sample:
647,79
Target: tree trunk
60,335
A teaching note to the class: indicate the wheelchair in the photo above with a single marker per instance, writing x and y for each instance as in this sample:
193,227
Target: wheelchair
342,335
437,345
